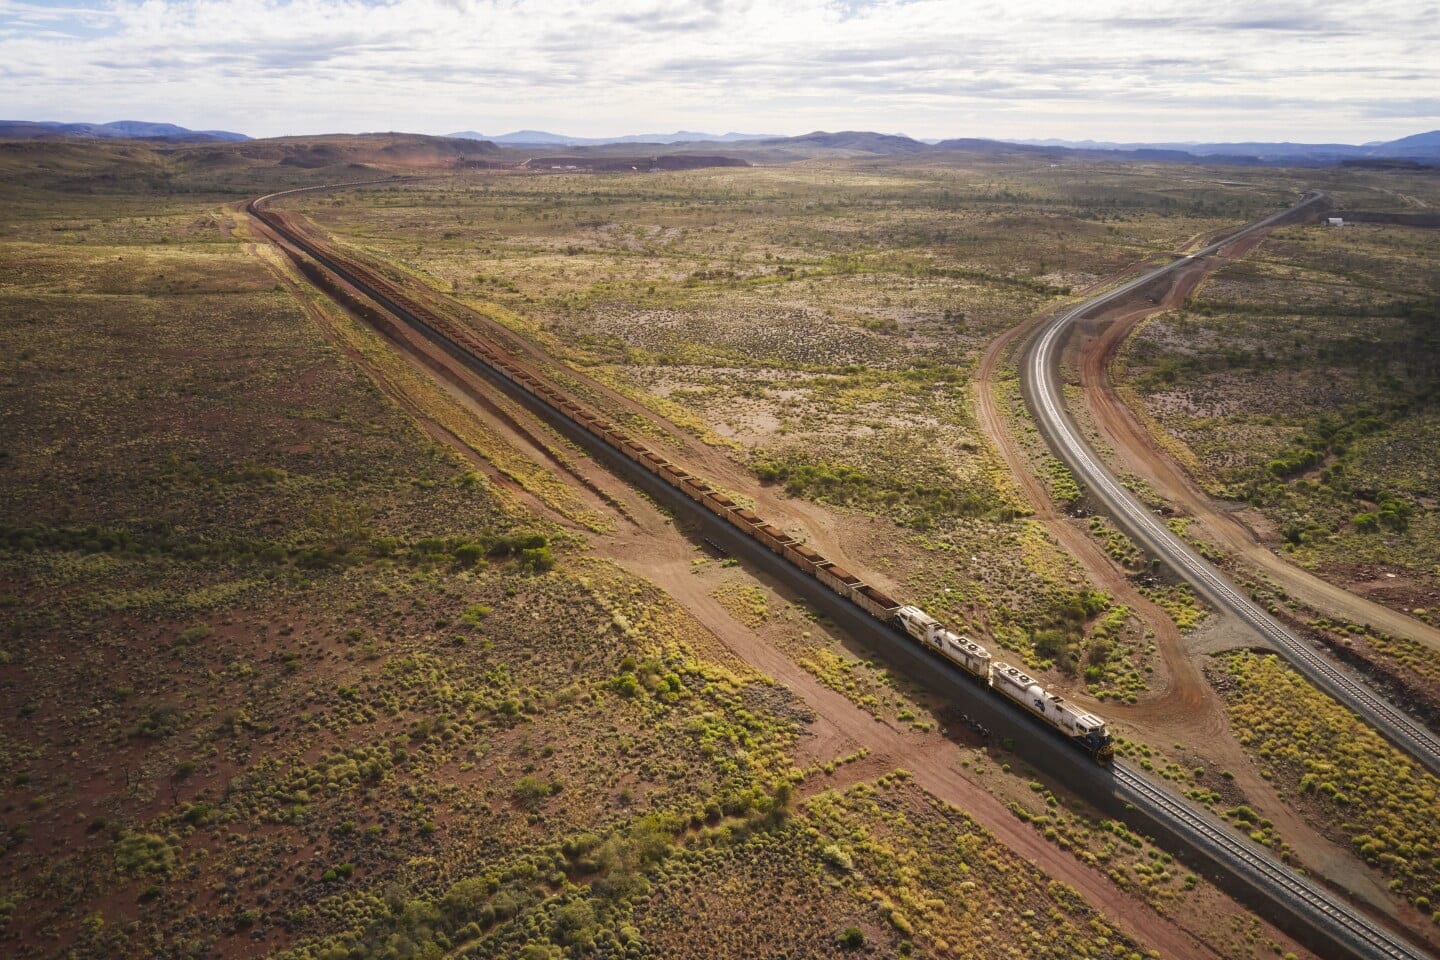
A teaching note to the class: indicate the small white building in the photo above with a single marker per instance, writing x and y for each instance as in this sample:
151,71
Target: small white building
1336,221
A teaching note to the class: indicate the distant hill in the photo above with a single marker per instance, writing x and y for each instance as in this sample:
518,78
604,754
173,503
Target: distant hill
420,150
387,150
621,164
1421,146
1139,154
541,138
91,164
858,143
851,140
981,145
1415,146
1424,147
116,130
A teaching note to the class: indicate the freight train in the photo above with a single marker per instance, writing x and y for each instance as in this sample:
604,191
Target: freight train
1085,730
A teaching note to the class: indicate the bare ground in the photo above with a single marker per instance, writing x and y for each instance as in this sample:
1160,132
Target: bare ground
646,542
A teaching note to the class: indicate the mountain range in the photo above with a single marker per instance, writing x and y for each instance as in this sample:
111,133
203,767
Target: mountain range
1423,147
117,130
1420,145
541,138
1419,149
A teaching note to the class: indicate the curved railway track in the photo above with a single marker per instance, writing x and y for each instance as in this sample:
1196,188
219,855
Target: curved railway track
1043,390
1328,924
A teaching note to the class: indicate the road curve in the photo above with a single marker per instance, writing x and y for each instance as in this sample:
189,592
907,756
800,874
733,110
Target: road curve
1042,388
1318,918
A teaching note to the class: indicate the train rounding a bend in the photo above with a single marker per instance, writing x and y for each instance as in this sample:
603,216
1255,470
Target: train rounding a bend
1084,730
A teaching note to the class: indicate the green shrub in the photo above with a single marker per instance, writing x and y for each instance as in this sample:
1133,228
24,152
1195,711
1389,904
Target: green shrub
837,858
139,853
575,925
469,554
531,791
538,559
158,720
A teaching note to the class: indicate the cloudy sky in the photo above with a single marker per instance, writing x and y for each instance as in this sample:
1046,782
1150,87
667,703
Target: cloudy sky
1153,70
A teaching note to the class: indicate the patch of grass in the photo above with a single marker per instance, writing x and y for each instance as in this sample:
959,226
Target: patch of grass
1338,771
747,602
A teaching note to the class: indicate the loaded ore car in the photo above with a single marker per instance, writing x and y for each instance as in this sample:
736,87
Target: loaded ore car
875,603
839,579
773,537
718,503
804,558
746,520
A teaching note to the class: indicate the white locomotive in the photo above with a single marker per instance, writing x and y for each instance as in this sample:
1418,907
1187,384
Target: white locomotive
1085,729
961,651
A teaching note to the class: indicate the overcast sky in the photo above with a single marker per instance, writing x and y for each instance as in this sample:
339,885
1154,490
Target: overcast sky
1152,70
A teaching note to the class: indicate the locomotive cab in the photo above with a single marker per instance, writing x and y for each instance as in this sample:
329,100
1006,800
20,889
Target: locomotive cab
1096,739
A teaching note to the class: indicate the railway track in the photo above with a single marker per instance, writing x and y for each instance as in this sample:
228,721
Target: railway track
1043,390
1313,916
1343,923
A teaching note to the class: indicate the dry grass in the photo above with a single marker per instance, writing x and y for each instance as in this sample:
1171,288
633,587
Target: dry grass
285,680
1338,772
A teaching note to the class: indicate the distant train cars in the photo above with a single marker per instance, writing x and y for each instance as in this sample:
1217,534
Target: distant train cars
1083,729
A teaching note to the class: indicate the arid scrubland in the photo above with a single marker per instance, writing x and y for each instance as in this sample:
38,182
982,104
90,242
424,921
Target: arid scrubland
285,675
1341,323
1340,326
820,323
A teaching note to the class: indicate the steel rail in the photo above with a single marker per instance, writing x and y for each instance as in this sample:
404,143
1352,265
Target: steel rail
1044,391
1340,921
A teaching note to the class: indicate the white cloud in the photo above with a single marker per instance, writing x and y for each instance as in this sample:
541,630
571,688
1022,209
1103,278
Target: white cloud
1153,70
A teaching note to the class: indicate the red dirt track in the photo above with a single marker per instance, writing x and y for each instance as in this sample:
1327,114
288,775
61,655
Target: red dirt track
1094,351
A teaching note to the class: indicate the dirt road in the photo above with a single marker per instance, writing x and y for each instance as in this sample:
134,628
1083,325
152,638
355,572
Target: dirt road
1134,446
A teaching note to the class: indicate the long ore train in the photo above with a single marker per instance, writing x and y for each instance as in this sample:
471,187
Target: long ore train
1084,729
